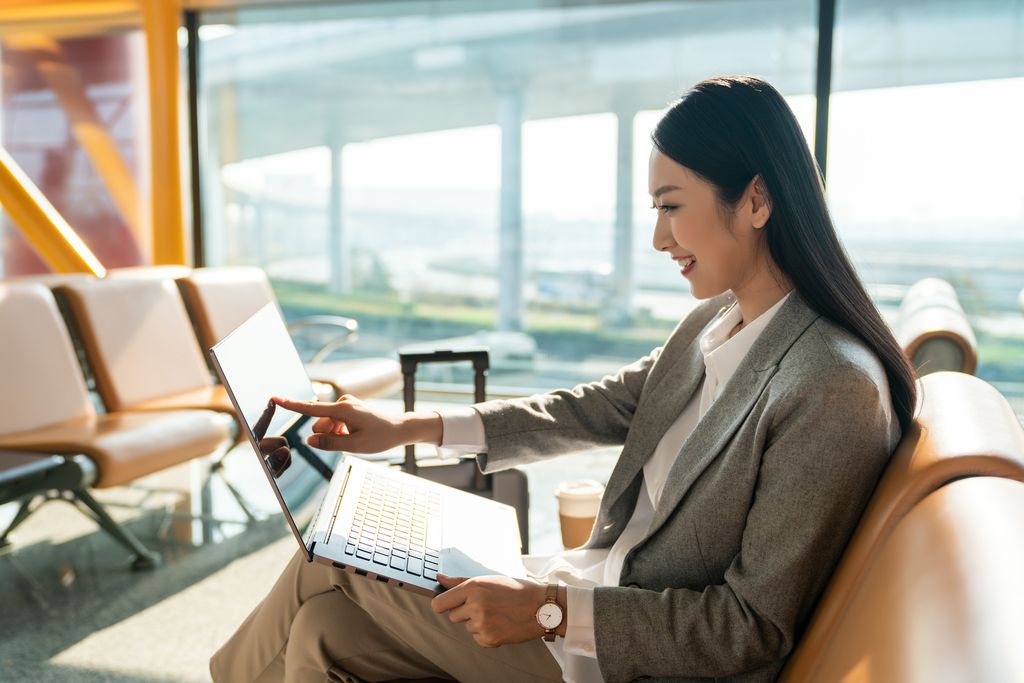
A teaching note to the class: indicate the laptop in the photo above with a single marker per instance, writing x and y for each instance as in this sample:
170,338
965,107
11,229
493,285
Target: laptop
365,518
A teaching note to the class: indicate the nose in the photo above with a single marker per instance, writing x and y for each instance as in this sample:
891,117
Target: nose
663,239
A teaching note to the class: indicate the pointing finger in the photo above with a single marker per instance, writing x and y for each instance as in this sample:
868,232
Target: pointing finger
310,408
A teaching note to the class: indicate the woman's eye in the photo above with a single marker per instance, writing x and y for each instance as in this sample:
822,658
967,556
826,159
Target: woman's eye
663,208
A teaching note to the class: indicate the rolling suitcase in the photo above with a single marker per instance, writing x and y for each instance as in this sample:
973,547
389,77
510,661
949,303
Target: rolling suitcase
508,487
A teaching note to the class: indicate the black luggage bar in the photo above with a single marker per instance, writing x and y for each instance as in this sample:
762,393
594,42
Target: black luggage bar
410,361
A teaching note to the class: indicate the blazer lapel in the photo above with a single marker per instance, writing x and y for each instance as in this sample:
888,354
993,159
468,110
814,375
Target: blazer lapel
726,414
665,401
708,439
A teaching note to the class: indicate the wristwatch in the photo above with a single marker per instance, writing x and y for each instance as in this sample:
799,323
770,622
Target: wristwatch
549,614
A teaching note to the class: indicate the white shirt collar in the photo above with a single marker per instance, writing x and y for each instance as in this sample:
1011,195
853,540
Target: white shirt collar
723,355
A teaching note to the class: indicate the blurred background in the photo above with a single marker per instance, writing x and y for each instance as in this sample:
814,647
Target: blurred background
444,169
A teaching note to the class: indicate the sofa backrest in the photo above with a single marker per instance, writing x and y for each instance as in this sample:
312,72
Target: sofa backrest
943,599
41,378
222,298
963,428
138,339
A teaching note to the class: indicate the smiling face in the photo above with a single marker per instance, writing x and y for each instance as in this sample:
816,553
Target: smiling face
715,251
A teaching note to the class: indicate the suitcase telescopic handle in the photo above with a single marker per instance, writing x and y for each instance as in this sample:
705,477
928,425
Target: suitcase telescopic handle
410,361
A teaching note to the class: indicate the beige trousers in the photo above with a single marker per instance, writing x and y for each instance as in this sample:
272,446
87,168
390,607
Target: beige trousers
322,624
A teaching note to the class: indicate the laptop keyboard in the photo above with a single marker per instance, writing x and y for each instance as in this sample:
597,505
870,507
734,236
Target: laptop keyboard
397,524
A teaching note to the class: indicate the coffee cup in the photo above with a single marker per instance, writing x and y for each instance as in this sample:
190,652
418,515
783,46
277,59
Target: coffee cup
578,502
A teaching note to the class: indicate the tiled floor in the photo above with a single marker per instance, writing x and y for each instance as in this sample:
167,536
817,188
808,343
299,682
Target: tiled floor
71,610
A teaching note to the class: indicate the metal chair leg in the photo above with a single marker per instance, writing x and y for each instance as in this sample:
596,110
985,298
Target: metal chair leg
74,476
23,512
141,558
217,468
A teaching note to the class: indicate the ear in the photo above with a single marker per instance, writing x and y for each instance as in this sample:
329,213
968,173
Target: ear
760,204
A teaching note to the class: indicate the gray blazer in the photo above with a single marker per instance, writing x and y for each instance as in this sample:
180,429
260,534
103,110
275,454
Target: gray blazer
757,507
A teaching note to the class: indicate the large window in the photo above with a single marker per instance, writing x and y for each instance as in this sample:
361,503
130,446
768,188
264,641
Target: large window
924,172
441,169
73,115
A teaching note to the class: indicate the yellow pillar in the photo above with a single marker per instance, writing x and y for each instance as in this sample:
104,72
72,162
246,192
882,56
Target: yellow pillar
86,125
48,233
161,18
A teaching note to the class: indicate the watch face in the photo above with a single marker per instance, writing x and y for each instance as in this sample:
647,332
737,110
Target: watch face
549,615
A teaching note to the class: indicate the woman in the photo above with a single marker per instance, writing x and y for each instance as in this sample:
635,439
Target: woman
752,441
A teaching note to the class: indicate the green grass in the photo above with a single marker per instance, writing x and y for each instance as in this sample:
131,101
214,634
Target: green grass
553,326
572,330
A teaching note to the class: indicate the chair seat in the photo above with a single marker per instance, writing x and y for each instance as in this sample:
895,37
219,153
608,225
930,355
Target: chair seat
126,446
360,377
207,398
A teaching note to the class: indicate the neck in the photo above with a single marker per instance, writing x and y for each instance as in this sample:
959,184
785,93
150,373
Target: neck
760,293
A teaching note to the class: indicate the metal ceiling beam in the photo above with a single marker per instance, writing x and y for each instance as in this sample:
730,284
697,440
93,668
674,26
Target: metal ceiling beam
66,18
43,227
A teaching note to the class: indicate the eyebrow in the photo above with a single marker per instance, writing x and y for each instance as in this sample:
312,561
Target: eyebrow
663,189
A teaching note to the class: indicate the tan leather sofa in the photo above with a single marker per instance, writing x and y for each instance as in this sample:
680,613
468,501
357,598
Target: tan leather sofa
46,409
888,601
142,352
943,599
46,406
141,347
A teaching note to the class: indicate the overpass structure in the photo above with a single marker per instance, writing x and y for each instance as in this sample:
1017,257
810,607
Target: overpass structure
296,78
299,75
278,85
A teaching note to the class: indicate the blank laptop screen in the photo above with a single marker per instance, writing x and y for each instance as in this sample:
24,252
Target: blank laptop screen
258,361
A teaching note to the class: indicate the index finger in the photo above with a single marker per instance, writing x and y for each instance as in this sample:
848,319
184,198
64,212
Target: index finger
310,408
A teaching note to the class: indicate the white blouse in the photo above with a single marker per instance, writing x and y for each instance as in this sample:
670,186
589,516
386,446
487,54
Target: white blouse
582,570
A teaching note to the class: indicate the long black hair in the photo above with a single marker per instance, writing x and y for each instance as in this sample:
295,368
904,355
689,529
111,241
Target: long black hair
728,131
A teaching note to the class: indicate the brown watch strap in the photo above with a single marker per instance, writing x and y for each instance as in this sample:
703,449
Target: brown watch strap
551,596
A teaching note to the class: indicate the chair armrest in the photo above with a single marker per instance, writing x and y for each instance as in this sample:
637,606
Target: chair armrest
347,332
934,331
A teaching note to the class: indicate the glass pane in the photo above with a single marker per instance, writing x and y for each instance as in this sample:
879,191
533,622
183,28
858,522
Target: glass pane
74,118
924,177
471,169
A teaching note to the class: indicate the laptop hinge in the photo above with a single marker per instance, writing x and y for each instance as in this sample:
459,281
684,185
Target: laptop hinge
337,504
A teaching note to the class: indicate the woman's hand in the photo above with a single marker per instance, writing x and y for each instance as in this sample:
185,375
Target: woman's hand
497,610
353,426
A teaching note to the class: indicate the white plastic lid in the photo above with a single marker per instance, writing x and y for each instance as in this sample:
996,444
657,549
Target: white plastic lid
579,498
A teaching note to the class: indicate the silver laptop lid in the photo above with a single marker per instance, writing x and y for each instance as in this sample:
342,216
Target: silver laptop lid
256,362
